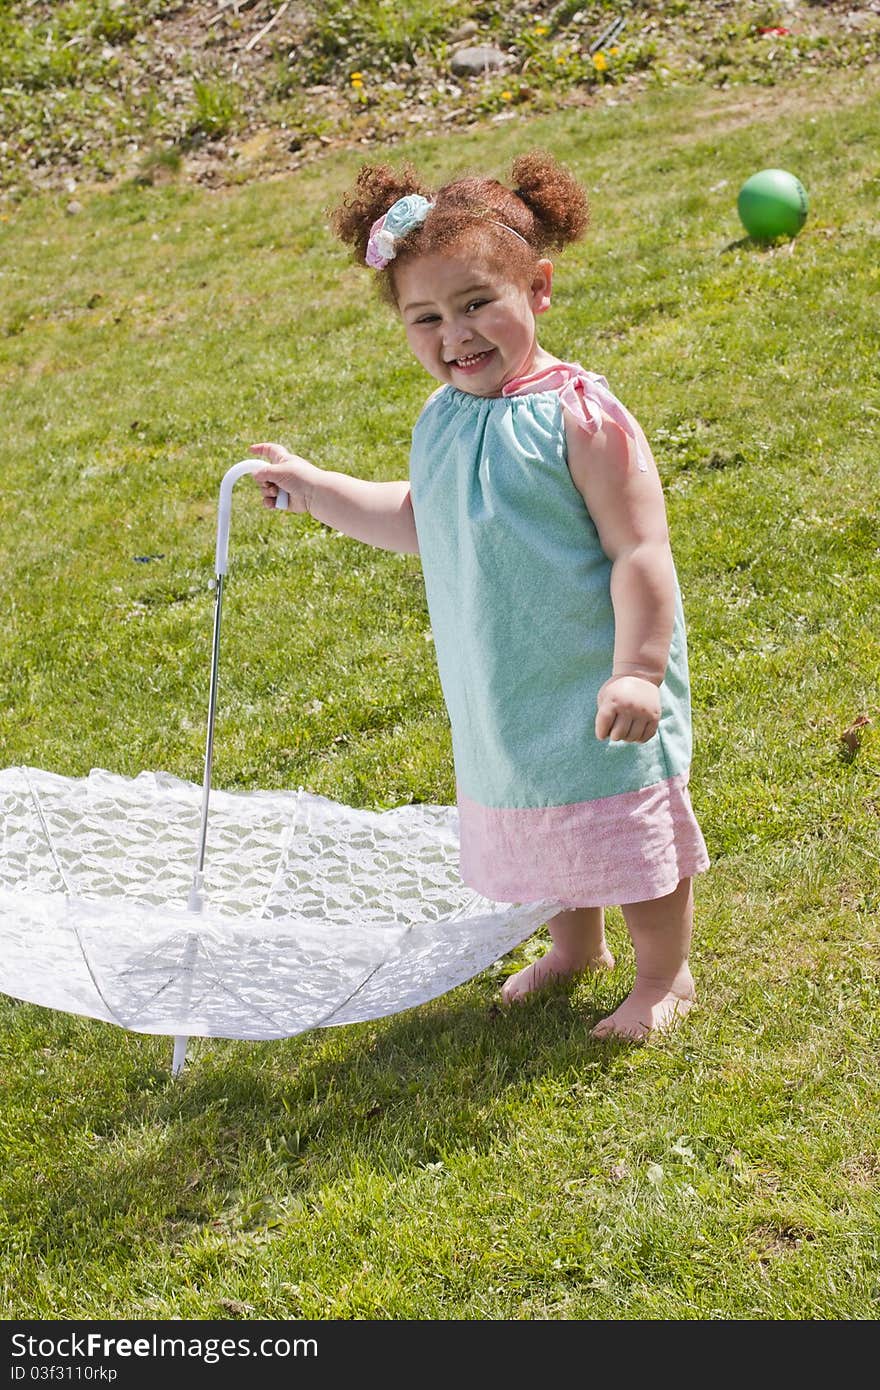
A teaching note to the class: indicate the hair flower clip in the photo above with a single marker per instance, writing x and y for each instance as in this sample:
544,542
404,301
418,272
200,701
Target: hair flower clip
387,230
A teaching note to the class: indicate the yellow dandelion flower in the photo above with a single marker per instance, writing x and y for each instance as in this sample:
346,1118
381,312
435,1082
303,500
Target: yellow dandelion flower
614,50
507,96
541,29
600,62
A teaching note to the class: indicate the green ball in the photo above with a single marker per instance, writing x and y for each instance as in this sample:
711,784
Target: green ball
772,203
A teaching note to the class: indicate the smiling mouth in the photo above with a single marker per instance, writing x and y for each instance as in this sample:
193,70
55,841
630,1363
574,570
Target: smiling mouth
473,359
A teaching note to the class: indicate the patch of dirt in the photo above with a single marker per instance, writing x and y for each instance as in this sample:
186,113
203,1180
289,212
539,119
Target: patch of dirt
221,92
772,1241
771,103
863,1170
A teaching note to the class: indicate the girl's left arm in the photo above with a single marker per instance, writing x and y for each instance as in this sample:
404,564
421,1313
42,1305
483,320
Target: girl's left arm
627,507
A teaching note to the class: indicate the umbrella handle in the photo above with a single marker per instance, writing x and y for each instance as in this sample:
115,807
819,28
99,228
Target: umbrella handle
230,478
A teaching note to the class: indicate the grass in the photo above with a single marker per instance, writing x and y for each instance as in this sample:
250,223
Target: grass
450,1162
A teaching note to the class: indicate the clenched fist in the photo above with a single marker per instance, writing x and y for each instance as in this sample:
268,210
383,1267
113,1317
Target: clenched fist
628,709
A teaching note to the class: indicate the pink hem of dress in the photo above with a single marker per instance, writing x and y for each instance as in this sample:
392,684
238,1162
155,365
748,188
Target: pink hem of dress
627,848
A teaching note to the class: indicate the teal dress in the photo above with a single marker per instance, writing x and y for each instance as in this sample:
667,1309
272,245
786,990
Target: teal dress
518,591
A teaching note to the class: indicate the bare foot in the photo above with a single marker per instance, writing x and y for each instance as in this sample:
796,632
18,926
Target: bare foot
550,968
653,1006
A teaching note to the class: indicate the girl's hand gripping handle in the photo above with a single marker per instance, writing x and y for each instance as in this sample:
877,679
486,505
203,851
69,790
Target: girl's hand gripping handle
287,473
230,478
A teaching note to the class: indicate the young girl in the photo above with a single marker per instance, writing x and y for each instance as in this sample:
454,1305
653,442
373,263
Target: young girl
536,507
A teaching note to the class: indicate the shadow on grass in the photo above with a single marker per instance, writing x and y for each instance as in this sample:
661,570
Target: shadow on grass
750,243
251,1127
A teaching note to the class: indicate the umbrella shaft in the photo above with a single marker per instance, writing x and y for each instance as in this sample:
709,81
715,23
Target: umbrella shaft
209,746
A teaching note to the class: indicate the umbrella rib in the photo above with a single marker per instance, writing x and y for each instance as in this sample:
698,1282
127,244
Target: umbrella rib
282,855
42,819
325,1021
151,999
104,1000
51,848
465,908
237,997
337,1008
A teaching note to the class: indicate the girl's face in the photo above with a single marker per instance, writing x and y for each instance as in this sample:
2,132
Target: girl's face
468,324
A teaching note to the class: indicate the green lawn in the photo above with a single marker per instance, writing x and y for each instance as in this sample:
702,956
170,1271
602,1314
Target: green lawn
453,1162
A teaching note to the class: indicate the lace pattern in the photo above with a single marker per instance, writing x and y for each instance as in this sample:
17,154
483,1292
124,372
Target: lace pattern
315,914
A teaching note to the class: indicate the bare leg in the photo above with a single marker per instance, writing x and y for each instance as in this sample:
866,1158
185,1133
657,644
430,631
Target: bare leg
578,944
664,988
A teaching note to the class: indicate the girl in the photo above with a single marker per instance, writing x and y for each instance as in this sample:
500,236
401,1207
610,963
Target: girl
536,507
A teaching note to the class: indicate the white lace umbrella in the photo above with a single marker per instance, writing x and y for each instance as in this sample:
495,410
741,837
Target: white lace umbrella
168,908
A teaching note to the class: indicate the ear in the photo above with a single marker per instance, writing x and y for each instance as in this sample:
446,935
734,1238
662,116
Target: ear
541,288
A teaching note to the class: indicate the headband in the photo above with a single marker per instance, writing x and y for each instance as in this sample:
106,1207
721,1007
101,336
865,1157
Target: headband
401,218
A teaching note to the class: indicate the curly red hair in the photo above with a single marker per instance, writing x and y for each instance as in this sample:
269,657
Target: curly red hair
545,205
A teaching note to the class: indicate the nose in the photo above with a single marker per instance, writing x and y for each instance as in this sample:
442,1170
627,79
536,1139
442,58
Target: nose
457,333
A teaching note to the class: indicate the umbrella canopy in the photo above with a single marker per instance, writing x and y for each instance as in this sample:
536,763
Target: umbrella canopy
315,914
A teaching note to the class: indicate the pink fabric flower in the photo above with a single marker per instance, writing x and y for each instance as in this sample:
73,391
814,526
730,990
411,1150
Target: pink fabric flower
388,229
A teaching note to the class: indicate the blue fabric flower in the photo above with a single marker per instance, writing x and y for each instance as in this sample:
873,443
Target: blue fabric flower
406,213
387,230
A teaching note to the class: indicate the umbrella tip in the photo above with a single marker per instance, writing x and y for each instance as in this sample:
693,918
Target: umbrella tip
179,1056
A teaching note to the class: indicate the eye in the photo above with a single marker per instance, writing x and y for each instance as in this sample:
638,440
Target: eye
476,304
428,318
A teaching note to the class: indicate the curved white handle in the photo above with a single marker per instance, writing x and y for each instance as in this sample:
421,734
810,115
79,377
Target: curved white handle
230,478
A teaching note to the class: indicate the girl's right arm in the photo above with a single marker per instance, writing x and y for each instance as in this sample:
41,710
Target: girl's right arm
378,513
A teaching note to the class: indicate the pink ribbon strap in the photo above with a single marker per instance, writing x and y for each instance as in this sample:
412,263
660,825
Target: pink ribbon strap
586,396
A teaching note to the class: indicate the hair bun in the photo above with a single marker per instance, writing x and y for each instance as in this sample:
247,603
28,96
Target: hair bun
553,196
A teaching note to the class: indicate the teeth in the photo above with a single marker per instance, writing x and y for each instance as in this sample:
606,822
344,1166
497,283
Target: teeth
470,359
